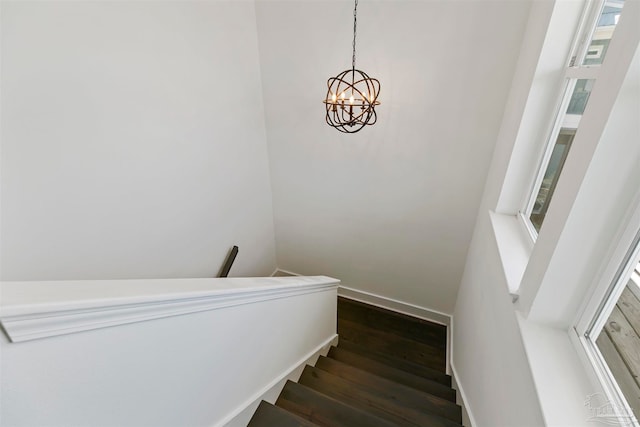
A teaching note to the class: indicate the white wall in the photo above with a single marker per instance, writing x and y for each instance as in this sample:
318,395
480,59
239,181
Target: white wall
389,210
133,141
489,357
488,354
518,367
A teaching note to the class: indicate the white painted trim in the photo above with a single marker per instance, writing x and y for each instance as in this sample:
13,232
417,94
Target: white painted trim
449,354
28,319
463,397
601,377
275,387
595,310
550,142
286,272
635,288
514,247
395,305
583,72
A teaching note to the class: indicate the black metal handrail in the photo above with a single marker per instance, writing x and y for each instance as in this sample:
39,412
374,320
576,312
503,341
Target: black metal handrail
229,262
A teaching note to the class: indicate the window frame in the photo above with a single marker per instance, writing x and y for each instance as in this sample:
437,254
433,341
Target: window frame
573,71
543,162
596,309
574,248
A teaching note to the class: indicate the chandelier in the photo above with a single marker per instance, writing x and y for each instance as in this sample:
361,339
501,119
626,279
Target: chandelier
352,95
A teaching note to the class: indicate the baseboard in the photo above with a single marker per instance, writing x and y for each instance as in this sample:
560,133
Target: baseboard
395,305
461,399
240,416
278,272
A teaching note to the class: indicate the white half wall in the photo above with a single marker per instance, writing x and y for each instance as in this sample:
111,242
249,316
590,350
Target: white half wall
389,210
133,141
203,368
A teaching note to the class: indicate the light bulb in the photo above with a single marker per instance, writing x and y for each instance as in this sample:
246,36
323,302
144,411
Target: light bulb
333,97
342,96
351,100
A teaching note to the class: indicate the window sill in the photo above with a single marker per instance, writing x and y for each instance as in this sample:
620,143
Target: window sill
563,384
514,246
560,376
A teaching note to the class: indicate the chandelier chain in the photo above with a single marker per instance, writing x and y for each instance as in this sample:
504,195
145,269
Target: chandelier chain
352,95
355,21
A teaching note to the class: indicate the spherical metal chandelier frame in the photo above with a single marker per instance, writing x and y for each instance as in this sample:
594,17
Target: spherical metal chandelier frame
351,100
352,95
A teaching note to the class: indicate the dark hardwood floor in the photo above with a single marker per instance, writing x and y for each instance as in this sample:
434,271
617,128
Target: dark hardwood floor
388,370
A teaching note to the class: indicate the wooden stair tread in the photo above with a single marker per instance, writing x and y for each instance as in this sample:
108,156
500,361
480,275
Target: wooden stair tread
392,345
268,415
394,362
436,404
441,389
324,410
389,321
385,404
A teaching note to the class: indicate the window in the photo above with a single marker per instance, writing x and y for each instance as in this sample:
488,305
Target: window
619,339
613,339
579,82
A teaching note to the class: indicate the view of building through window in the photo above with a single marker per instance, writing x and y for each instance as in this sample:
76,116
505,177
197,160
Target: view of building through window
570,122
603,31
551,175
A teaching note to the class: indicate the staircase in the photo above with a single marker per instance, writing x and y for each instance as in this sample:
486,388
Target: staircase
388,370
